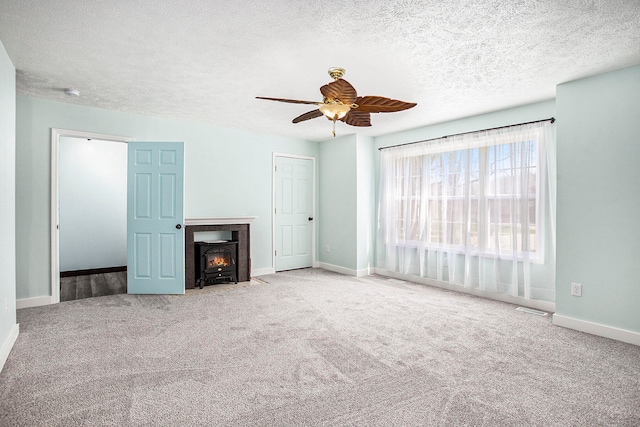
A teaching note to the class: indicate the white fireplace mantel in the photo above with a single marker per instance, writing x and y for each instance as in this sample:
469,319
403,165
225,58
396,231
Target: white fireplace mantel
219,221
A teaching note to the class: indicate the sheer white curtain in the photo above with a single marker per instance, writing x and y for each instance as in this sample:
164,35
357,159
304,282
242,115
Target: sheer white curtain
477,210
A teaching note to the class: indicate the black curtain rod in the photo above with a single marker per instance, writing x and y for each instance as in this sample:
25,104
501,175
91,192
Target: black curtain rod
552,119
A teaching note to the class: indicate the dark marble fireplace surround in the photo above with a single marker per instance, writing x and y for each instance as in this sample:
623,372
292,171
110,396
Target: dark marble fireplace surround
239,233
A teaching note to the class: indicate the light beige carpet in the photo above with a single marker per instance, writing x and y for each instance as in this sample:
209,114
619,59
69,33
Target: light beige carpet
312,348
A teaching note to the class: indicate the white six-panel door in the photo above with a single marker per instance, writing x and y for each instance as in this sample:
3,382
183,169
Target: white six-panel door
293,213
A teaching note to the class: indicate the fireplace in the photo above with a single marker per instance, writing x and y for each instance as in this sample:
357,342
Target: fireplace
238,227
217,262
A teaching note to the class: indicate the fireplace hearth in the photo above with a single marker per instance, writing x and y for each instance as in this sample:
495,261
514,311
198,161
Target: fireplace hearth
217,262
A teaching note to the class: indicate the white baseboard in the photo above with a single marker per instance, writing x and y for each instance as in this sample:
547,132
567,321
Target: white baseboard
337,269
346,271
537,304
364,272
33,302
262,271
597,329
8,345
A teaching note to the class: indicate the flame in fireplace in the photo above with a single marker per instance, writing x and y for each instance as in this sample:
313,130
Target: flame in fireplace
219,261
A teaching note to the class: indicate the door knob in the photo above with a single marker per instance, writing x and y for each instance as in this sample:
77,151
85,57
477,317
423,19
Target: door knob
179,226
310,218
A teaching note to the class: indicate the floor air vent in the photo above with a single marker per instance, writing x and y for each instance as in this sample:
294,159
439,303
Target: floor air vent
532,311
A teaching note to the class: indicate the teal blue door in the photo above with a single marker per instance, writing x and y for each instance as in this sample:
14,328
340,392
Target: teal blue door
155,218
294,213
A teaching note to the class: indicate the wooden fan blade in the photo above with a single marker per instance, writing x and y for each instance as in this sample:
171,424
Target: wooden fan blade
340,90
379,104
357,118
307,116
291,101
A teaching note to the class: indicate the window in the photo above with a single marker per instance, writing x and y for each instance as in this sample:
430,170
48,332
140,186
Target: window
478,196
475,210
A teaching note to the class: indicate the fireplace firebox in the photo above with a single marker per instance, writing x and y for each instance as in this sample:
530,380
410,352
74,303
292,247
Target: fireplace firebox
217,262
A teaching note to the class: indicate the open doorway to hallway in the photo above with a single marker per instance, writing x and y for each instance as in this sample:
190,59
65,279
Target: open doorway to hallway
90,256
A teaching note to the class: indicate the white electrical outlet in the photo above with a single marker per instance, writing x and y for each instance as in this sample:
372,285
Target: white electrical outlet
328,248
576,289
6,306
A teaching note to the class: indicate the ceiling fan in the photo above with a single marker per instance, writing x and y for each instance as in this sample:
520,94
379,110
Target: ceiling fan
341,102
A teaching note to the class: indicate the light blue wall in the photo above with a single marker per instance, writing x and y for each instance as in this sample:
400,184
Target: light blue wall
227,173
347,200
338,202
7,204
598,234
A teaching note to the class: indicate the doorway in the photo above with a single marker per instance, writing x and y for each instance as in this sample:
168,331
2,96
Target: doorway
294,211
82,200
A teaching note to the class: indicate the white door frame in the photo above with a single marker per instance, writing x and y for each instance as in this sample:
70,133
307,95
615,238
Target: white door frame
55,202
314,261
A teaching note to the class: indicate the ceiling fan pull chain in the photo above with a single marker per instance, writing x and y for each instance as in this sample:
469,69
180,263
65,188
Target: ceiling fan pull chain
334,127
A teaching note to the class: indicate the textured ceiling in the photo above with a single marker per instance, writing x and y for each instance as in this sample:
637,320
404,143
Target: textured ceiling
206,60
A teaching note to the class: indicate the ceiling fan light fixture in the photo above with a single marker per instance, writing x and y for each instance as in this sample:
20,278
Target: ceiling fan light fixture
335,111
